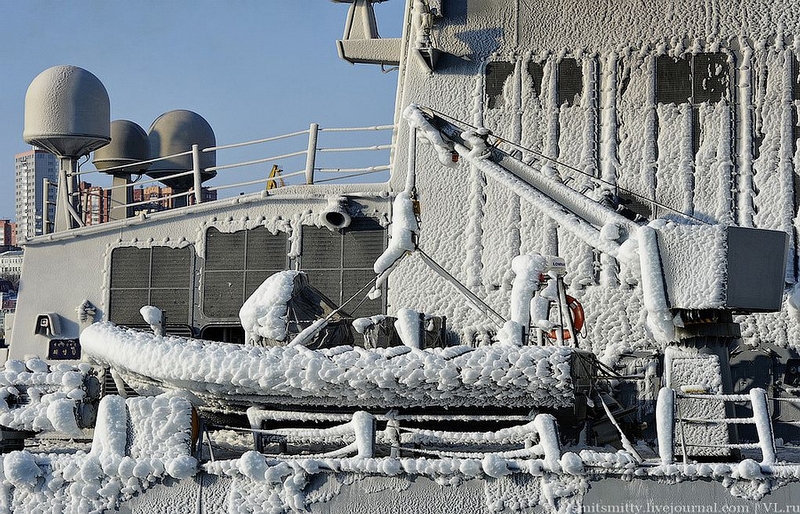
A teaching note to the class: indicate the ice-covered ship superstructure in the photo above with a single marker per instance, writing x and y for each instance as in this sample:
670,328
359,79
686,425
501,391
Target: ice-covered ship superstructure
650,147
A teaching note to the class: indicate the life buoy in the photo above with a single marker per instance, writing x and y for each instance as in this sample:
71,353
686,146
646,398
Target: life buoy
577,317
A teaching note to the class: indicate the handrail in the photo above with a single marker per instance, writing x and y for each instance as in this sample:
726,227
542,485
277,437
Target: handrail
666,422
306,158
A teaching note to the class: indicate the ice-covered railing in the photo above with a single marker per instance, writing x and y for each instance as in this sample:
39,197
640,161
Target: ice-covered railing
314,156
667,420
533,438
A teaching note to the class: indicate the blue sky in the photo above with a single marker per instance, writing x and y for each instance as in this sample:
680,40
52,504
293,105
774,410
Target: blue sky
252,68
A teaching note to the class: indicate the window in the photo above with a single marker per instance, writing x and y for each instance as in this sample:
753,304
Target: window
236,264
160,276
693,79
339,264
570,82
536,72
496,75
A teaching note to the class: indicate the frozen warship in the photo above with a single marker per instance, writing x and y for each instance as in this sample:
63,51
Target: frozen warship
575,289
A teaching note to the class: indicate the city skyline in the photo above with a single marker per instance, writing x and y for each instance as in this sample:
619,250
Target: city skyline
252,70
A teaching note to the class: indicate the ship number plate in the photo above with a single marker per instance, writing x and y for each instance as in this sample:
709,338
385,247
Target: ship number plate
64,349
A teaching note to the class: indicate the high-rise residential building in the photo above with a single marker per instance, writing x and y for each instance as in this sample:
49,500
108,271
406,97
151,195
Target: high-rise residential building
95,203
33,204
8,233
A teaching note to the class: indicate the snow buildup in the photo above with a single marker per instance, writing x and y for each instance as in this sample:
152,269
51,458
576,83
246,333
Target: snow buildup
403,230
345,375
413,115
511,334
361,325
408,328
123,461
263,314
477,140
54,396
528,270
610,231
154,317
659,318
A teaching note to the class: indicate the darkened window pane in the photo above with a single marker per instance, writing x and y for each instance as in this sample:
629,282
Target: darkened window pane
130,267
536,71
174,302
224,250
160,276
172,267
363,243
795,78
125,304
236,264
322,248
570,82
328,282
266,250
353,281
496,75
253,279
673,84
710,77
223,293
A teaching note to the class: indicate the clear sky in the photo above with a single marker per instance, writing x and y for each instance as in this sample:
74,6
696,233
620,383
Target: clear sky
251,68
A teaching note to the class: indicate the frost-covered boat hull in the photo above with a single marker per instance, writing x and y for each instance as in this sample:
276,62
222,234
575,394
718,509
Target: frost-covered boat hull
236,376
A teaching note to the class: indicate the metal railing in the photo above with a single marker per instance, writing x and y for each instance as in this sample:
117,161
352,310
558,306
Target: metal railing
670,418
307,162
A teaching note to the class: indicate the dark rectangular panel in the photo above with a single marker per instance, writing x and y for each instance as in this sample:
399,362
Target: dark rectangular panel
130,267
222,293
266,250
322,248
496,75
570,82
175,303
536,72
353,280
254,278
362,248
328,282
125,304
172,267
673,80
224,250
710,77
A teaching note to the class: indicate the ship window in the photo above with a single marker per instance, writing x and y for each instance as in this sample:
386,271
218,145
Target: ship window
697,78
536,72
236,263
570,82
710,77
159,276
340,263
496,75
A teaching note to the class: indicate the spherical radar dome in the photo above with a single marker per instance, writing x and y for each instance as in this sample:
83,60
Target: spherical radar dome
67,112
175,132
129,146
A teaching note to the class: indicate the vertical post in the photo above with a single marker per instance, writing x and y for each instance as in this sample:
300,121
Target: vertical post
311,152
45,205
411,178
67,213
766,439
121,197
198,182
665,425
546,427
364,427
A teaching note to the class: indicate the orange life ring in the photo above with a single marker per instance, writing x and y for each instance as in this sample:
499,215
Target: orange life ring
576,315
